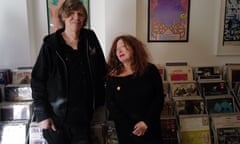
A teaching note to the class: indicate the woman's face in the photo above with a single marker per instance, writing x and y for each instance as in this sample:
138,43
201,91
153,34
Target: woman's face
75,20
123,52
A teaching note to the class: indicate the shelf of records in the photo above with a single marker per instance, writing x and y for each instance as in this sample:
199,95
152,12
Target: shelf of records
16,108
201,104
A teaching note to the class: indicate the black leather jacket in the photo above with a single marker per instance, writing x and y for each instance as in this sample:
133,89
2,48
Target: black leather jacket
50,76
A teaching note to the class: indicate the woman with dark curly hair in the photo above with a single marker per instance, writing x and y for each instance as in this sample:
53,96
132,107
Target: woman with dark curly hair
134,92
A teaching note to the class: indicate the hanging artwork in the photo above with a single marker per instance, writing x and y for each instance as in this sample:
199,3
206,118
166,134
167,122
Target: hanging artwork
231,27
168,20
52,8
229,34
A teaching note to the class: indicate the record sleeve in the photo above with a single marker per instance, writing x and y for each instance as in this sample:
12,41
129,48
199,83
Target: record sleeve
213,88
21,76
220,104
187,88
13,132
166,90
169,130
104,133
168,108
176,63
18,92
231,74
208,73
1,92
5,76
222,120
15,111
195,129
35,134
226,127
179,73
228,135
190,105
161,70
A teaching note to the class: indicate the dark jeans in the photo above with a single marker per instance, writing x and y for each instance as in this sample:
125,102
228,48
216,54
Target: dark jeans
68,135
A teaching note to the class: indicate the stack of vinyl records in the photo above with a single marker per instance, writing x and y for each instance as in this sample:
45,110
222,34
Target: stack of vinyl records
18,92
10,111
35,134
13,132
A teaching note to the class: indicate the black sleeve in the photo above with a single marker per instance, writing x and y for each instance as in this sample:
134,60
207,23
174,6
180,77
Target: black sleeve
98,69
41,107
156,106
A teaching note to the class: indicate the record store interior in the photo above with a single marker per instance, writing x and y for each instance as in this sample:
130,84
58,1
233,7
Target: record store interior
195,44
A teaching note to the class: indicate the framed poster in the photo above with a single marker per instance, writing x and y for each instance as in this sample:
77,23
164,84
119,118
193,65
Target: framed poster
229,36
168,20
52,11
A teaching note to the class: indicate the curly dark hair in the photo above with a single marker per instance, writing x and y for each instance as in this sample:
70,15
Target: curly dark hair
140,58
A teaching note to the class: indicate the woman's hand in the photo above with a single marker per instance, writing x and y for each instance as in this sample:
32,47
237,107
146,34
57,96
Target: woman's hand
46,124
140,128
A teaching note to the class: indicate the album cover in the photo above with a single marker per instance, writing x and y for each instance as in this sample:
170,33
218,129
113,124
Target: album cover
104,133
169,130
222,120
195,129
15,111
228,135
168,108
1,92
231,74
5,76
166,90
21,76
161,70
220,104
188,88
176,63
98,133
226,128
236,89
13,132
179,73
189,105
208,73
35,134
212,88
18,92
112,137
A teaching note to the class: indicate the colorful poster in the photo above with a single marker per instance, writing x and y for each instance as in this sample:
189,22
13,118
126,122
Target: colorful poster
168,20
53,8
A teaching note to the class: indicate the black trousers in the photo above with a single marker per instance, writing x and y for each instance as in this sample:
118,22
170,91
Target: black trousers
68,135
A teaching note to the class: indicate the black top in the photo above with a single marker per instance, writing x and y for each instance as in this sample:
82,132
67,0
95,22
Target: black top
136,98
63,79
79,81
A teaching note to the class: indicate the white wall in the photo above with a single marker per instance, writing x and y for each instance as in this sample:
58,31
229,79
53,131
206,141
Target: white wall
14,34
97,20
120,19
203,36
38,25
24,24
